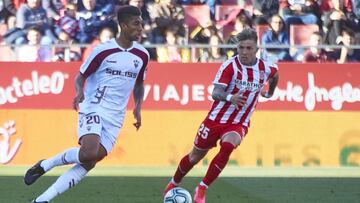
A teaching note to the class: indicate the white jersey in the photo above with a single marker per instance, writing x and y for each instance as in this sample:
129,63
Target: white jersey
249,81
111,72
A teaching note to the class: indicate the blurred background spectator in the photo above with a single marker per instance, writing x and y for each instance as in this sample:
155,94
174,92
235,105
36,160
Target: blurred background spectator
301,12
31,51
263,10
201,35
107,6
212,4
339,18
213,53
166,14
170,52
241,22
67,52
30,15
92,19
276,35
7,9
356,8
53,8
67,22
315,54
71,22
347,54
105,35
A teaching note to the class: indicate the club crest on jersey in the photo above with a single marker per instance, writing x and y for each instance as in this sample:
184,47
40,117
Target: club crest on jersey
136,63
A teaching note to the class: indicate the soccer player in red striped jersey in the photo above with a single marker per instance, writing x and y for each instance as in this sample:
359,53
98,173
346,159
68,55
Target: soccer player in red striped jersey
237,87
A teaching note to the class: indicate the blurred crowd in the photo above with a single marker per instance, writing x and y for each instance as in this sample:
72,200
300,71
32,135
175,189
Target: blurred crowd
34,25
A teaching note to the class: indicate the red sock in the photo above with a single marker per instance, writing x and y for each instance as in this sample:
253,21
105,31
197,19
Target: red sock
218,163
184,167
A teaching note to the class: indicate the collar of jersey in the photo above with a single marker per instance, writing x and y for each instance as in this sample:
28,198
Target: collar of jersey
122,49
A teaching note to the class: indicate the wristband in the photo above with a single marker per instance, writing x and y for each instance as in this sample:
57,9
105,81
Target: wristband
228,97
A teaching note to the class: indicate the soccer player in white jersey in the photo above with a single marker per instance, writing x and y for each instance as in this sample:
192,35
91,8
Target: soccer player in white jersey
114,70
237,87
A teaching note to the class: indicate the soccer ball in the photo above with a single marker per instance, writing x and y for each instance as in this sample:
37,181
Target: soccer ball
177,195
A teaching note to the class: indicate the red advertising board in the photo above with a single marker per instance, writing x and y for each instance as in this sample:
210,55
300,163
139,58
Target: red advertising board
178,86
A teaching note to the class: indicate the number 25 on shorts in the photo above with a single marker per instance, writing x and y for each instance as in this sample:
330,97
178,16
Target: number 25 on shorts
203,131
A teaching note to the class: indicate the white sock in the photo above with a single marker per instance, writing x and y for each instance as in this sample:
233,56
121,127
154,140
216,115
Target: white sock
173,182
69,156
66,181
203,184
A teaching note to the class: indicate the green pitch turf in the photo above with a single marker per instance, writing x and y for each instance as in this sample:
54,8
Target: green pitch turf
237,185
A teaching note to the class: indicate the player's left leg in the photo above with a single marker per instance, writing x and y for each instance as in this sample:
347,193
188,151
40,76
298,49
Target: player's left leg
91,152
185,165
229,142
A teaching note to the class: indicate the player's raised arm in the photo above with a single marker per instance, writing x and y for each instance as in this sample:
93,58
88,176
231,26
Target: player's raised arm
79,87
273,81
138,93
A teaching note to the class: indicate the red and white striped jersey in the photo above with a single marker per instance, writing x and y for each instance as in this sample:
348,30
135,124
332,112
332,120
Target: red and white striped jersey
249,81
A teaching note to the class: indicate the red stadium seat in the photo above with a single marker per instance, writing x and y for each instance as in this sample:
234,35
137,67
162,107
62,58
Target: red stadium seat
197,15
300,34
223,12
261,29
225,16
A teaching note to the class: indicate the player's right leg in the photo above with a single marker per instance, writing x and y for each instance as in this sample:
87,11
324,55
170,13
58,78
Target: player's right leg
229,141
69,156
91,151
185,165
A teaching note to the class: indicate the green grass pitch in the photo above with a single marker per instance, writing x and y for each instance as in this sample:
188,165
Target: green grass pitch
236,185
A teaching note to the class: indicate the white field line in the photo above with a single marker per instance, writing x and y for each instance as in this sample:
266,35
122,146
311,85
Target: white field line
230,171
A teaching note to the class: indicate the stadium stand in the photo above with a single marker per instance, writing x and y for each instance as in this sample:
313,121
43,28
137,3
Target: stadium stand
196,15
300,34
225,16
261,29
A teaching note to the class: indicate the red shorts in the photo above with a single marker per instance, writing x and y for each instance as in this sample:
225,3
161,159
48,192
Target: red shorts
210,132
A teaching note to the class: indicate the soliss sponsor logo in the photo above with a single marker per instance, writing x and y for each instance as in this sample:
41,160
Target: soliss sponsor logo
121,73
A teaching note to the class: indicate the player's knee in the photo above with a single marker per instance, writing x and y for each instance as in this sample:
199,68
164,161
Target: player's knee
89,166
196,156
100,157
227,148
232,138
88,156
194,159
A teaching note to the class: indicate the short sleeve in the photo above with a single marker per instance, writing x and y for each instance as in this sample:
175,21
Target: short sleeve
224,74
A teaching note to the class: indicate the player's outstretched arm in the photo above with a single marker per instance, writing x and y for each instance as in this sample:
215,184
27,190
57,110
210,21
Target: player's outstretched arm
138,93
272,85
220,94
79,87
